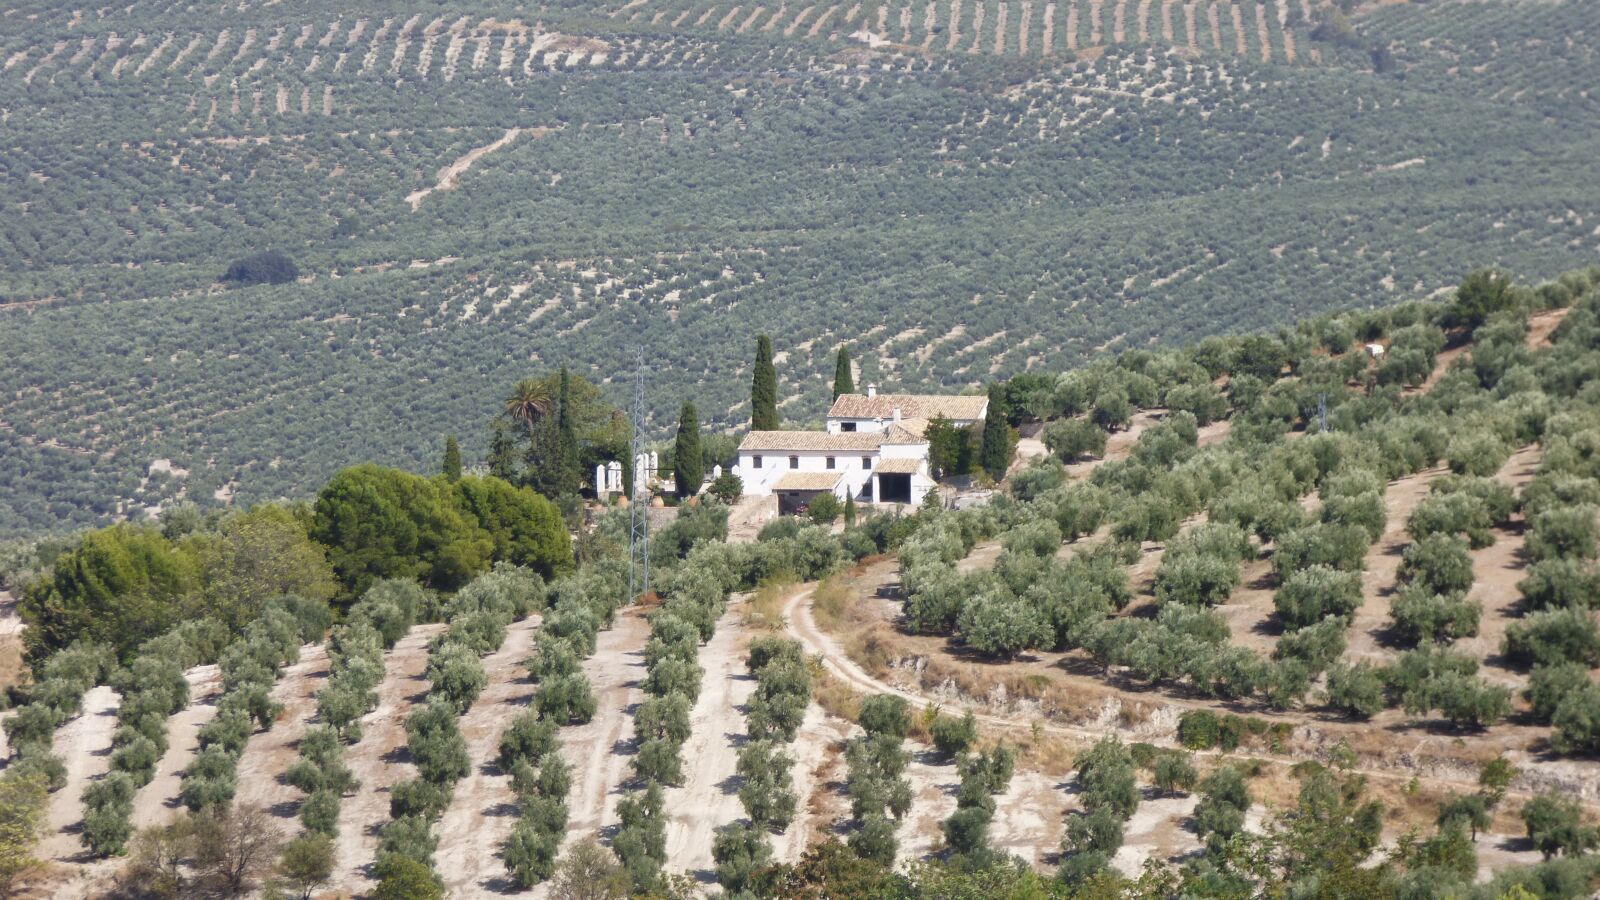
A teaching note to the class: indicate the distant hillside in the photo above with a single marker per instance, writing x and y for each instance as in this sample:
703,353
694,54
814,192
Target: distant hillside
476,193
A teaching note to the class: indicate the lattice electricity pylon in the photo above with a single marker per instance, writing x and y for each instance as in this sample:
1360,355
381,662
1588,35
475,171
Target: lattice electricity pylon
1322,413
639,503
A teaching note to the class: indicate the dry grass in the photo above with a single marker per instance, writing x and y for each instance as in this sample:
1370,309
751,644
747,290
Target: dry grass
13,671
764,609
834,696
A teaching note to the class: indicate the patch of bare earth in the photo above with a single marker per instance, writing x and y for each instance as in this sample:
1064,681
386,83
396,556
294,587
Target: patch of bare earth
709,797
379,760
599,749
84,745
484,807
818,772
269,754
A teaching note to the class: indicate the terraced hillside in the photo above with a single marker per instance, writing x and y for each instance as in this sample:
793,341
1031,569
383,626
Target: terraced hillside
477,193
1357,583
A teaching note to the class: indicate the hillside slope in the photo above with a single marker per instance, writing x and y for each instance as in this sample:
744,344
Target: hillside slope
476,193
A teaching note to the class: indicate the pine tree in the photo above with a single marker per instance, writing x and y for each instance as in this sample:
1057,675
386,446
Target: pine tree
452,459
764,388
843,382
688,469
995,455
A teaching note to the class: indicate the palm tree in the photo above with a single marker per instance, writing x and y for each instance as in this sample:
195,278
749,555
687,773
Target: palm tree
529,401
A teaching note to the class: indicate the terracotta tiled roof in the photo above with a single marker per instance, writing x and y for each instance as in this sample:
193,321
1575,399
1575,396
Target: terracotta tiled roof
906,431
777,441
911,406
807,481
899,466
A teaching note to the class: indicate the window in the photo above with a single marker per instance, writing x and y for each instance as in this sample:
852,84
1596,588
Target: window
847,426
866,463
830,462
755,462
794,462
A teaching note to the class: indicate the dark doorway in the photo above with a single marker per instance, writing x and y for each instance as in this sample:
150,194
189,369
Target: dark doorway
894,488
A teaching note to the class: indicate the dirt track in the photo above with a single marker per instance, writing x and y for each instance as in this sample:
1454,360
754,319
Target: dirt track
84,744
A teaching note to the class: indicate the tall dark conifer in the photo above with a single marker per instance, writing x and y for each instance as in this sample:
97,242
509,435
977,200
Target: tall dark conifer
688,468
843,382
452,459
995,454
764,388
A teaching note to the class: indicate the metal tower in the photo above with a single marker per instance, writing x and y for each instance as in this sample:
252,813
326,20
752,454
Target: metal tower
639,502
1322,413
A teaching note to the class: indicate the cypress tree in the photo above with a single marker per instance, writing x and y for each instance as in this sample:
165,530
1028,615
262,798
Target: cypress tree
502,450
452,460
849,509
843,383
764,388
688,468
995,453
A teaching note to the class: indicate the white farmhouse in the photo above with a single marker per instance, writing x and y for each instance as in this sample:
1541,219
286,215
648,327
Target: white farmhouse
889,466
874,450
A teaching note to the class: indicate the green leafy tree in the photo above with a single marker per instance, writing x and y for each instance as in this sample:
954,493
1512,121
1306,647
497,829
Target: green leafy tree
404,878
307,863
764,388
740,851
119,586
23,801
1480,295
1555,825
843,380
384,523
688,468
525,529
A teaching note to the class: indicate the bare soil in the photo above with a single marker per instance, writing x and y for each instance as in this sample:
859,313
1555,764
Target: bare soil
709,796
84,745
599,750
484,808
270,753
379,760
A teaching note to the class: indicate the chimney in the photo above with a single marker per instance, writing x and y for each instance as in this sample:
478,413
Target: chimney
872,391
897,413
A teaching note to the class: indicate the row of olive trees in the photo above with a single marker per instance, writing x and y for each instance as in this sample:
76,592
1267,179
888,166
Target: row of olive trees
383,615
1558,636
583,605
773,716
479,615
